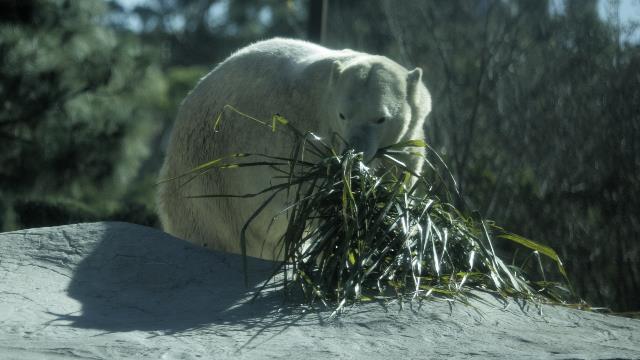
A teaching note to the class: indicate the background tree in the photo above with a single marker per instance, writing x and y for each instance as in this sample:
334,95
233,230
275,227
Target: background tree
201,32
79,106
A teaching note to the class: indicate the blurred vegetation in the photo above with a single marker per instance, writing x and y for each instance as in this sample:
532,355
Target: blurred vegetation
535,108
88,98
79,106
202,32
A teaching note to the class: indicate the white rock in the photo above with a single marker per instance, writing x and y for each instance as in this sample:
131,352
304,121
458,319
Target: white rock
117,290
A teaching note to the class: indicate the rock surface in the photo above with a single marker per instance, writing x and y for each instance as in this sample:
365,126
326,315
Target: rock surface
117,290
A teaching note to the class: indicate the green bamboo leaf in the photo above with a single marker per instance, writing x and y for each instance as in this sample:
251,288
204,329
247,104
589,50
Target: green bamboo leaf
542,249
545,250
277,119
407,143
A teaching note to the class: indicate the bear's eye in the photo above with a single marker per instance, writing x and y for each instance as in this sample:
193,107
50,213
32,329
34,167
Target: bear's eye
341,116
381,120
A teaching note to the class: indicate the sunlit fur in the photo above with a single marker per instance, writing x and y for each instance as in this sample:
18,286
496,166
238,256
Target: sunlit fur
310,86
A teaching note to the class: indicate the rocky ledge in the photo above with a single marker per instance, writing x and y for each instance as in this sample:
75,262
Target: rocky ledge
117,290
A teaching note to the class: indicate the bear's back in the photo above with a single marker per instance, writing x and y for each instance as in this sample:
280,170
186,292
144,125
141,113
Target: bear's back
287,60
289,49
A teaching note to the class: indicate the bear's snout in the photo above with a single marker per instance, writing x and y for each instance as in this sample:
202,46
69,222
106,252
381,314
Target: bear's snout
364,140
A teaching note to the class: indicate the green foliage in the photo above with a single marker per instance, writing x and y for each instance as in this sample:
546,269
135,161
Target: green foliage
181,80
87,108
201,32
39,213
80,105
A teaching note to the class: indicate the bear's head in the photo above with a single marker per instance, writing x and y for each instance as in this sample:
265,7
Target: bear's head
375,102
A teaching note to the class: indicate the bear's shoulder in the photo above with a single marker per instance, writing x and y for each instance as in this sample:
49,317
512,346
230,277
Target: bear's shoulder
294,49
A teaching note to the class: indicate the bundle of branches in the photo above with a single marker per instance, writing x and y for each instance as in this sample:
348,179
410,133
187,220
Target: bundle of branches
357,232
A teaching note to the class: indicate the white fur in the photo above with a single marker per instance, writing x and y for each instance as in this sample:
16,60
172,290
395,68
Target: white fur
307,84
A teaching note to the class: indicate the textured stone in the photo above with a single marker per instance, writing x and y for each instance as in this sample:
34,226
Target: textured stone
117,290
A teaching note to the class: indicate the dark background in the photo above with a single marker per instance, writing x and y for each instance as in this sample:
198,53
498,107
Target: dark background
536,107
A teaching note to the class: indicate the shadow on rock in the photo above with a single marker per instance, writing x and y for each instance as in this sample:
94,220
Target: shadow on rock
138,278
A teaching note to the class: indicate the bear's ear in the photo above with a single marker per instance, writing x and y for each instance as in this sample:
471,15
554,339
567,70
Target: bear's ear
336,69
414,77
417,93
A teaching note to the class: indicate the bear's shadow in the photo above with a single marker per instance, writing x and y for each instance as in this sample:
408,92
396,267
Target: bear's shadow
137,278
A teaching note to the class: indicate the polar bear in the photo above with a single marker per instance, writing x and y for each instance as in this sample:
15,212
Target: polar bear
369,100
